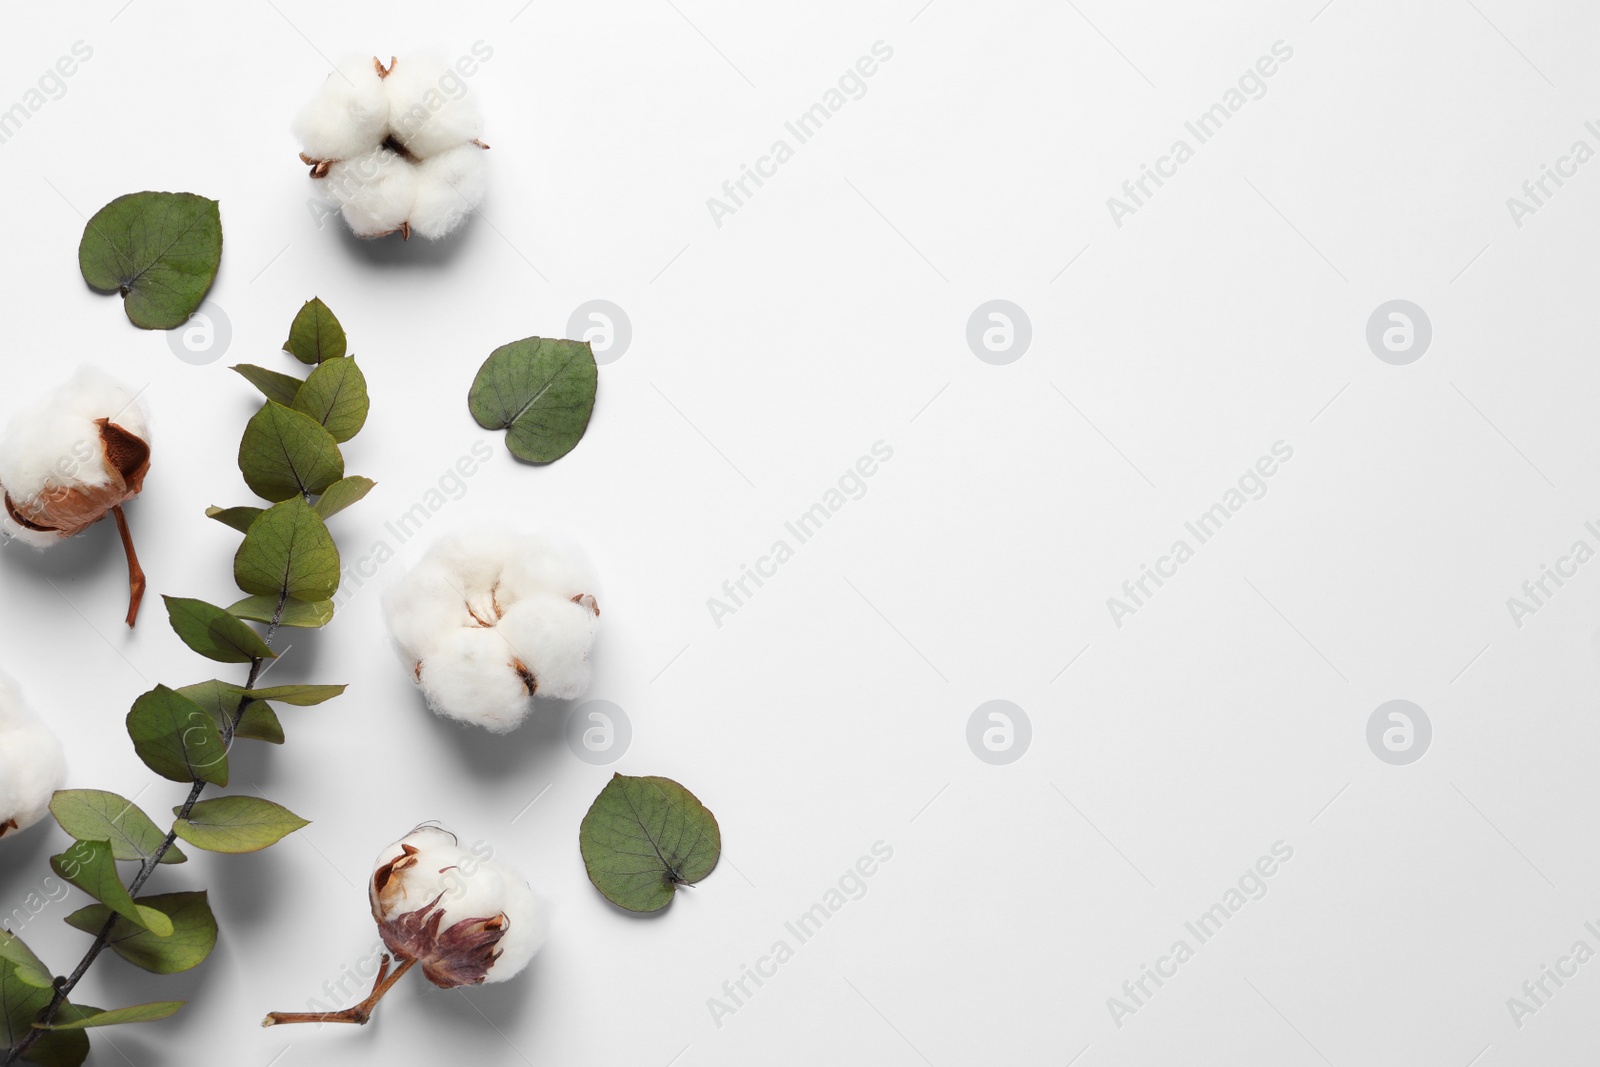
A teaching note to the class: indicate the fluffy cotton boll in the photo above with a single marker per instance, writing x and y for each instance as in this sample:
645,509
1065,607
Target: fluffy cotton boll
449,187
552,637
375,192
466,917
489,619
431,110
475,676
348,117
67,461
32,766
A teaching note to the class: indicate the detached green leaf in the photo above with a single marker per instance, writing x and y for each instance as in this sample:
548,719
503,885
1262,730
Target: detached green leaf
644,837
194,932
221,701
274,386
159,250
342,494
315,335
138,1013
305,614
177,738
95,815
89,866
539,389
286,454
239,518
214,633
336,396
288,549
237,824
302,696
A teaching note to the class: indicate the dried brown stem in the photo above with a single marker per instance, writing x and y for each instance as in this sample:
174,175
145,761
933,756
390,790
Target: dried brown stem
135,572
358,1014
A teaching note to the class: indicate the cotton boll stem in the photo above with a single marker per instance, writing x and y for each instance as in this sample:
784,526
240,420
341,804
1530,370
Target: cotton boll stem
136,581
358,1014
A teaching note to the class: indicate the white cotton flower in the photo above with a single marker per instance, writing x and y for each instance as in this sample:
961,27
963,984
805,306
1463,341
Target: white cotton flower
398,144
73,459
491,618
348,116
467,918
32,766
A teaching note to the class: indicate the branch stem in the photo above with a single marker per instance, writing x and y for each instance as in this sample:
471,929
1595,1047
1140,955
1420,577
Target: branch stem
136,581
358,1014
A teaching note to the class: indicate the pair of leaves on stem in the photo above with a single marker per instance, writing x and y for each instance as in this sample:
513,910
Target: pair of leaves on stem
644,837
161,251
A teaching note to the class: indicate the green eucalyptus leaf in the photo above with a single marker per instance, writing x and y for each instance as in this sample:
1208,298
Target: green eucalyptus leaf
336,396
69,1048
302,696
95,815
19,959
194,932
342,494
644,837
274,386
285,454
177,738
288,550
239,518
306,614
222,700
82,1018
159,250
541,390
215,633
315,335
237,824
90,866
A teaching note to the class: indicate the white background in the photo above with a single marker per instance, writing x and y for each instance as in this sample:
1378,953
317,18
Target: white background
829,313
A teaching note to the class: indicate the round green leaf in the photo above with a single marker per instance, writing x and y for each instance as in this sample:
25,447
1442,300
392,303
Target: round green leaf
542,391
194,932
644,837
237,824
95,815
285,453
159,250
288,550
315,335
335,395
215,633
177,738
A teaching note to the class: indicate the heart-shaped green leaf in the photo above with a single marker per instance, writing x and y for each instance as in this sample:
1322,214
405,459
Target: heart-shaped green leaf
307,615
177,738
194,932
342,494
215,633
159,250
644,837
288,550
95,815
89,866
541,391
274,386
315,335
335,395
237,824
285,453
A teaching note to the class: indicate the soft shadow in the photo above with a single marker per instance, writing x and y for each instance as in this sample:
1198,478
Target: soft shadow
25,870
539,743
397,253
466,1008
250,891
